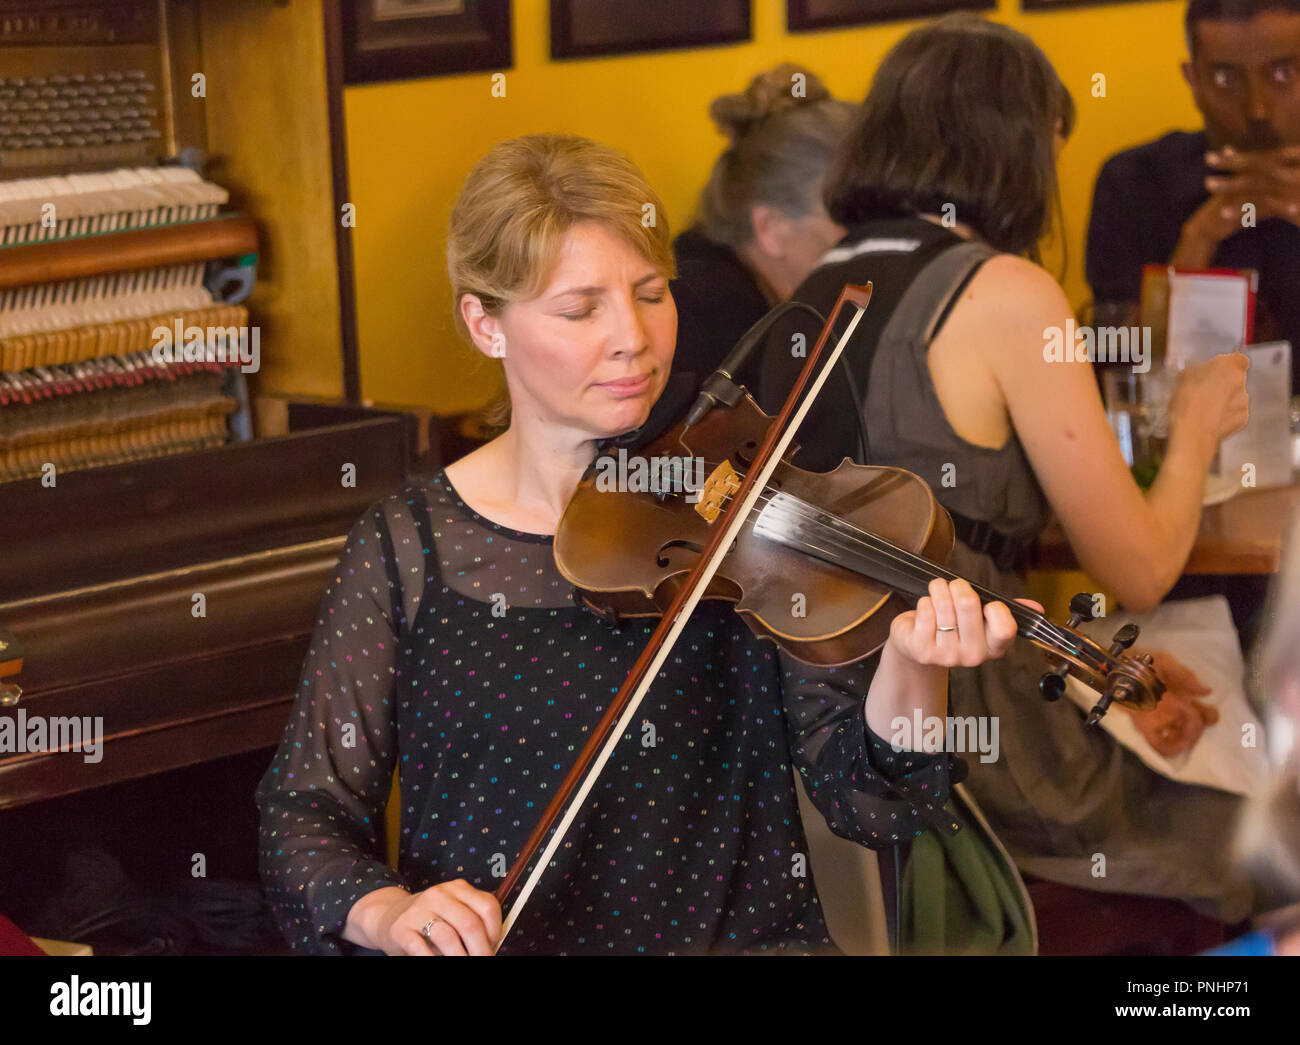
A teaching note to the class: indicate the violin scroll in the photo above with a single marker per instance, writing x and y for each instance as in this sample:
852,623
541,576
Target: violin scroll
1130,681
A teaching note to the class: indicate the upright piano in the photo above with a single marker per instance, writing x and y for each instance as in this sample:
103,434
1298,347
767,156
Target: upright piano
168,522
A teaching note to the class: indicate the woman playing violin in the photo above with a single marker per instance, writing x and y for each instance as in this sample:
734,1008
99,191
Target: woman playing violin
448,648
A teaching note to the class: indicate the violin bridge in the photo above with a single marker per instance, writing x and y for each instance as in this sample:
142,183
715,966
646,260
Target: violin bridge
718,488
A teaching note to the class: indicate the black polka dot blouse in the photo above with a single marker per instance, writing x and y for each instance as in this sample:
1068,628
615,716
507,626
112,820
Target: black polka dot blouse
448,649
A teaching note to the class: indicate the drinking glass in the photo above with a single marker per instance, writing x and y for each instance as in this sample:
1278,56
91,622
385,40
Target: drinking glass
1137,407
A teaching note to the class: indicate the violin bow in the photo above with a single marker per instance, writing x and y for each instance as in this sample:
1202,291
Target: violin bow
614,722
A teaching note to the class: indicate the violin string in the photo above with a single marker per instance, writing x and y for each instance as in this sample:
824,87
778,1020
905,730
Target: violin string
1030,627
883,546
921,569
1033,624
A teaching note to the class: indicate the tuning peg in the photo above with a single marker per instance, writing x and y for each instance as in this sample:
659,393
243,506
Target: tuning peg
1099,709
1080,609
1123,639
1120,687
1052,684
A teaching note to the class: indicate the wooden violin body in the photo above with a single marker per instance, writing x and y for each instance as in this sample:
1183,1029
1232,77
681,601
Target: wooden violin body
819,612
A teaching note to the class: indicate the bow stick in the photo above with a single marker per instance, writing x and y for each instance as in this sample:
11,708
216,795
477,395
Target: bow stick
623,707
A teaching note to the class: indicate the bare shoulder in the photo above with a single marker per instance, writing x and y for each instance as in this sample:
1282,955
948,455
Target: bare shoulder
1008,302
1007,279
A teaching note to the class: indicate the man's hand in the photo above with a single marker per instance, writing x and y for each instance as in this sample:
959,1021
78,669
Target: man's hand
1268,179
1179,719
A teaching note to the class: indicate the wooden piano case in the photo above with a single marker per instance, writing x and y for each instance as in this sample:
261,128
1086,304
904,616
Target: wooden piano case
98,579
99,573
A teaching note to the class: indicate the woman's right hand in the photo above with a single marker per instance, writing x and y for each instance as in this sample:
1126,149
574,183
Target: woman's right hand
465,920
1211,400
1176,723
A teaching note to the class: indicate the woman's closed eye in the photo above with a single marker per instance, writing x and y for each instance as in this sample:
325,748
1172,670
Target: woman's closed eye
648,299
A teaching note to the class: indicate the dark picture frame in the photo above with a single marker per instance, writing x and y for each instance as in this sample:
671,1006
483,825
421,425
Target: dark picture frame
803,16
587,28
405,39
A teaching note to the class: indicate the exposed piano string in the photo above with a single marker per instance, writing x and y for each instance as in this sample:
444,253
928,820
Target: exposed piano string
79,386
107,298
105,411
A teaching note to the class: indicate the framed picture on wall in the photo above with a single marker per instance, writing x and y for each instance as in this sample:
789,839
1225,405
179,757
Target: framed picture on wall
583,28
404,39
806,15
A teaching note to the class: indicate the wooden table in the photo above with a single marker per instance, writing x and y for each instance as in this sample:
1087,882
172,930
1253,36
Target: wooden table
1240,536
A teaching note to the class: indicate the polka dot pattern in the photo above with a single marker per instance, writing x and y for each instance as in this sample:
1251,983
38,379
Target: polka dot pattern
449,648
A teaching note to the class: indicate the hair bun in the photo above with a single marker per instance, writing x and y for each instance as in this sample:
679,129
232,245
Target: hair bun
778,90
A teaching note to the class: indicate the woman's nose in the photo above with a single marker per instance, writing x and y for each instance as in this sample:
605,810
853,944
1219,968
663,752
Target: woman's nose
627,335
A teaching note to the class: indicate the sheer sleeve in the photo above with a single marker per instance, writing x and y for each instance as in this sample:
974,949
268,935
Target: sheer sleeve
867,791
322,799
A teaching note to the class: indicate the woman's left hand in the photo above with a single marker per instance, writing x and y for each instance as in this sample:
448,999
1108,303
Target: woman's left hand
950,628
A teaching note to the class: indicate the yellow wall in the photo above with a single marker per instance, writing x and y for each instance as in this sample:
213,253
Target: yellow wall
410,143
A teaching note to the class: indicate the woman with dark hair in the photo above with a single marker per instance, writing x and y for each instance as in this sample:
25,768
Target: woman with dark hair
761,226
947,183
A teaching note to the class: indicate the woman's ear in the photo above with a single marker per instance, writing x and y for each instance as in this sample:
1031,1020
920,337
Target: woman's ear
771,230
484,328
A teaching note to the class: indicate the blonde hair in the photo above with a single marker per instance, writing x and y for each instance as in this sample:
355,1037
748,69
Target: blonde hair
782,144
520,201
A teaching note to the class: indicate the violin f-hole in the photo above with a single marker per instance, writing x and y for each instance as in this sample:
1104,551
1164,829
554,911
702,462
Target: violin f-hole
663,560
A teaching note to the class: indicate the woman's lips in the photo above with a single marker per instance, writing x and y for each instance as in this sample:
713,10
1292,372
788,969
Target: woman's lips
626,387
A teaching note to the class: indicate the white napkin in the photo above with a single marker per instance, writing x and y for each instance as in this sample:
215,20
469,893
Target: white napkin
1200,633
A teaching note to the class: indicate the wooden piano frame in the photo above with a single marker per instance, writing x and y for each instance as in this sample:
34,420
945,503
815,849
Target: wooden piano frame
97,575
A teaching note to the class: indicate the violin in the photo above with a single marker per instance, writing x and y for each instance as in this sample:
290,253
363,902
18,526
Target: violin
821,567
818,562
